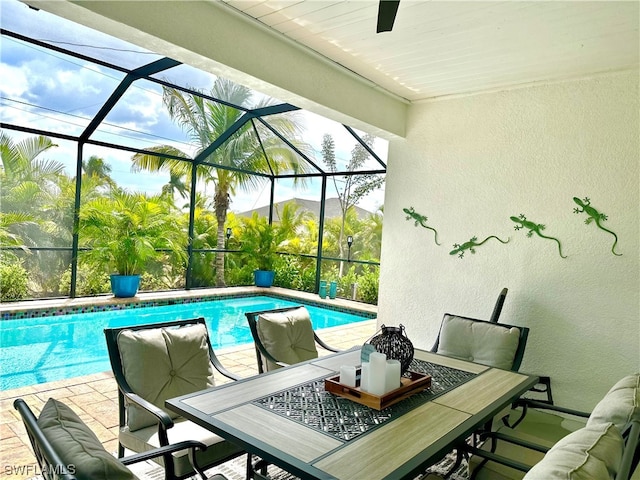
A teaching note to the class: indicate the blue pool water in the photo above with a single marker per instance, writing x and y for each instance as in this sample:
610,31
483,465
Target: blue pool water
38,350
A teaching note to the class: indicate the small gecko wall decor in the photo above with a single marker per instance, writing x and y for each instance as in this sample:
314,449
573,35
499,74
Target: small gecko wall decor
470,245
596,217
419,220
522,222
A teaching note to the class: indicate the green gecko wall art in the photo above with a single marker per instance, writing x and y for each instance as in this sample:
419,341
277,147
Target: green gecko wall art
522,222
470,245
594,216
419,220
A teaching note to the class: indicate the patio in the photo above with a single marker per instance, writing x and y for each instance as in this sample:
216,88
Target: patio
94,397
525,146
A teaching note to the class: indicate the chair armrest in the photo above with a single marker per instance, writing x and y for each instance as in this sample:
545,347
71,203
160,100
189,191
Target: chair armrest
164,420
517,441
324,345
157,452
527,403
546,406
167,450
218,366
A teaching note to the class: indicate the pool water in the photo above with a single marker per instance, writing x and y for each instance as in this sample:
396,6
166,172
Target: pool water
39,350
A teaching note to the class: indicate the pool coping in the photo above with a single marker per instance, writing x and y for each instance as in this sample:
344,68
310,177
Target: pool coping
65,306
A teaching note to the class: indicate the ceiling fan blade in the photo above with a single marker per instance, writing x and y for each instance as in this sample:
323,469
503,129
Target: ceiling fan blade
387,10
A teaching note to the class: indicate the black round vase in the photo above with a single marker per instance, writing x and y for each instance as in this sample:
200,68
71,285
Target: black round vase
393,342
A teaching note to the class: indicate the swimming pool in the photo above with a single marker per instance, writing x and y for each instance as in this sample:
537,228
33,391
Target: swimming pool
39,350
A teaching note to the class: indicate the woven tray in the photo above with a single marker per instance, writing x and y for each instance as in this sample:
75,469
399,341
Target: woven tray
413,383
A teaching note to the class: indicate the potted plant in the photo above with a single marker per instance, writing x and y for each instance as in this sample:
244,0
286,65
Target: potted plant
260,242
125,233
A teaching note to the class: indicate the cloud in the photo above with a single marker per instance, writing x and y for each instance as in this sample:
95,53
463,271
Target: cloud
53,92
14,81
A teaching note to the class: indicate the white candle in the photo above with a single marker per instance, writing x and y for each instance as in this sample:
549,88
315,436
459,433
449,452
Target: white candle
377,373
364,377
392,375
348,375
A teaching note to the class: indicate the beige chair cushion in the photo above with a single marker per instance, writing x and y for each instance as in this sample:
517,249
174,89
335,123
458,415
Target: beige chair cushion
620,405
163,363
287,336
481,342
78,446
591,453
147,438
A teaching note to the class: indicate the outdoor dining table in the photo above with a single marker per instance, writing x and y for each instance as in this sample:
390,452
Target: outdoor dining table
287,418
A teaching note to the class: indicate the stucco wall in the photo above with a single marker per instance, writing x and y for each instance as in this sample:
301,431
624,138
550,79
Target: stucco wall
468,164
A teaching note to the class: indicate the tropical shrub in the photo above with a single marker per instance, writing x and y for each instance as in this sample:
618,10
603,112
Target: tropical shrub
90,280
368,285
13,281
152,283
129,231
292,273
260,242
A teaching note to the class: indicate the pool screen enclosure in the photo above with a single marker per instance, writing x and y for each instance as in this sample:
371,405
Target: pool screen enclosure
144,70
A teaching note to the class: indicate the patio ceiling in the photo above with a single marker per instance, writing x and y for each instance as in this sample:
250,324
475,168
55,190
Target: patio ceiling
326,57
439,48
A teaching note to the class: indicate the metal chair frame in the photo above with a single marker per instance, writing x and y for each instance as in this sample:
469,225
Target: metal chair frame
630,433
497,309
126,393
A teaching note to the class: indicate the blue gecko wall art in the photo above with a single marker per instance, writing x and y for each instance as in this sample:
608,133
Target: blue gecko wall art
522,222
419,220
470,245
596,217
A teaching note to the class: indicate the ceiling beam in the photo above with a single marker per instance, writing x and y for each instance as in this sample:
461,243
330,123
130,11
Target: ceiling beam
213,37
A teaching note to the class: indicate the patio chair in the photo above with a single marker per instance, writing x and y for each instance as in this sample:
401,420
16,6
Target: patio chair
485,342
66,449
553,441
492,344
284,336
152,363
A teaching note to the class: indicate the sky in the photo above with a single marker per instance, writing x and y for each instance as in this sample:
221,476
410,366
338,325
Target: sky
50,91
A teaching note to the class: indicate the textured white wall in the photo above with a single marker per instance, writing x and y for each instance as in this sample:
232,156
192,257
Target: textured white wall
469,164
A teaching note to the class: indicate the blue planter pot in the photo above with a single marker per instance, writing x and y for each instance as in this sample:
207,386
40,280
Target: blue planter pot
263,278
125,286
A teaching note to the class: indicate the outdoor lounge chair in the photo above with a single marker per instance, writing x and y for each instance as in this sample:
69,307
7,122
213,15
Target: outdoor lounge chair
66,449
548,446
283,336
152,363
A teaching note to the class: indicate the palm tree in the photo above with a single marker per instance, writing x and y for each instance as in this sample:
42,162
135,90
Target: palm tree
96,168
27,184
205,121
